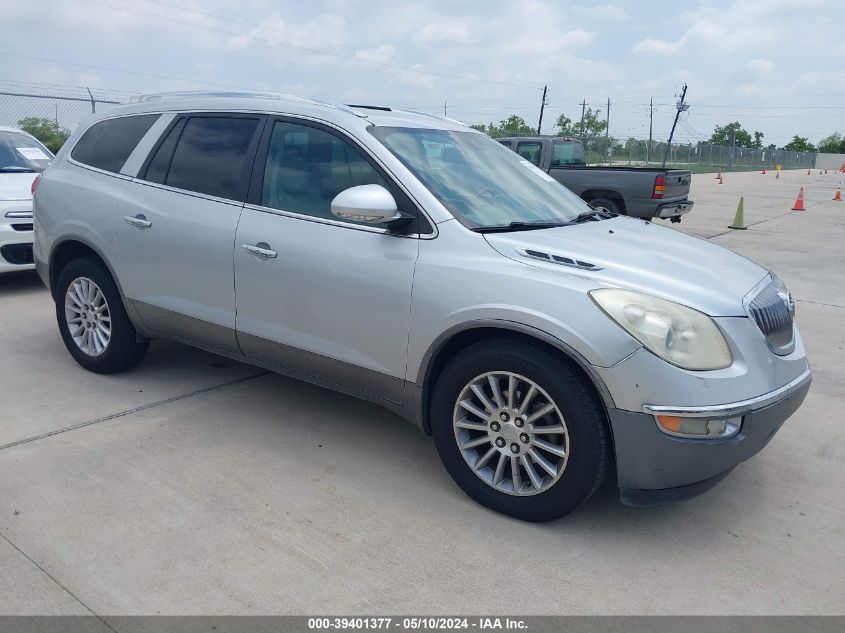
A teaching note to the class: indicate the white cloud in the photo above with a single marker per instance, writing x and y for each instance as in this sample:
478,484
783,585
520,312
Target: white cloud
611,12
379,54
443,32
418,55
761,65
661,47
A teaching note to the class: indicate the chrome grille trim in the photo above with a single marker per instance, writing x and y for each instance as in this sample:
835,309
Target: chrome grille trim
772,310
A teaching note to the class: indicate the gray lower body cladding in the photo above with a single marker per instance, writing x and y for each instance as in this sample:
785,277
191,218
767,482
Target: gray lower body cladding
654,467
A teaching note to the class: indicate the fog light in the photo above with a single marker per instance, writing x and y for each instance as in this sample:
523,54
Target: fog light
711,428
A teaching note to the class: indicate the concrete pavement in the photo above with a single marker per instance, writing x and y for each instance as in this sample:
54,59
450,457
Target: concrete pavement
194,484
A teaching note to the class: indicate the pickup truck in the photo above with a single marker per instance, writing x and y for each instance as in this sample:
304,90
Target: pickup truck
641,192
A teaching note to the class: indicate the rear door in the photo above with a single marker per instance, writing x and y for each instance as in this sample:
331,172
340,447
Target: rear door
177,224
317,296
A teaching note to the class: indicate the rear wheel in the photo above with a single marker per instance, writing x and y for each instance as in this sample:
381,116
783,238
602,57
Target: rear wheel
520,430
92,320
604,204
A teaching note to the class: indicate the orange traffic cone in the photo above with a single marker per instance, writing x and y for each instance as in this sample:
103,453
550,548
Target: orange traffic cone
721,180
838,196
799,201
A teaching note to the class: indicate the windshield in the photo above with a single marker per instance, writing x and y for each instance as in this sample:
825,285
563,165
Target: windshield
22,153
478,180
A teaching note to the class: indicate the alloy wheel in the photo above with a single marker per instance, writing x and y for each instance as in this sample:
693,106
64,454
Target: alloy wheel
511,433
87,316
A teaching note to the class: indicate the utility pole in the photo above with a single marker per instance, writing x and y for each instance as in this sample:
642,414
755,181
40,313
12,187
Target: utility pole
583,107
733,144
607,132
444,107
681,106
542,105
650,129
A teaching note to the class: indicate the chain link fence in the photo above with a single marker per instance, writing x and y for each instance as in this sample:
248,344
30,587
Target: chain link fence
698,157
65,111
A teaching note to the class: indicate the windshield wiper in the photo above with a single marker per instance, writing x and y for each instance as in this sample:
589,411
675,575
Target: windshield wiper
519,226
593,215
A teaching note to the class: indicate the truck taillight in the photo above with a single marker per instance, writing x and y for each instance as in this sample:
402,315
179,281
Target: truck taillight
34,184
659,186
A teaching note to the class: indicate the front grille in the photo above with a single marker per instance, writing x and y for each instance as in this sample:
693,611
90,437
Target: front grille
773,310
18,254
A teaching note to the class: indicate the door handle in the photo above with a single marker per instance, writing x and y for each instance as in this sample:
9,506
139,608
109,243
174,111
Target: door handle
262,249
139,221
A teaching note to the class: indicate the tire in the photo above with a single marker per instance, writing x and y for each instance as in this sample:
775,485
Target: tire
577,409
604,203
121,349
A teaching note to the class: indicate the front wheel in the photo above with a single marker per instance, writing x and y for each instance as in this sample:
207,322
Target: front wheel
92,320
520,430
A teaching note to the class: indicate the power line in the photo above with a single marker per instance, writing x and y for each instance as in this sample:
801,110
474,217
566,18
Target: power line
127,72
308,49
298,35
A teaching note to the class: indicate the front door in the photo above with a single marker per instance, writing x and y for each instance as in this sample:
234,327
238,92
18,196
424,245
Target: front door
177,227
317,296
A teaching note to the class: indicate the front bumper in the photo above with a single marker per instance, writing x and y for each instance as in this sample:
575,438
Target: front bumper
16,238
654,467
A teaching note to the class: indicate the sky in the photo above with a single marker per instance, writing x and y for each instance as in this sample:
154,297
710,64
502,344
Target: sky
777,66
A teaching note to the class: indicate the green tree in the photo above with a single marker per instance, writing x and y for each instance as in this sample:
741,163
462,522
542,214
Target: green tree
799,144
592,127
47,131
563,126
512,126
734,134
758,140
833,144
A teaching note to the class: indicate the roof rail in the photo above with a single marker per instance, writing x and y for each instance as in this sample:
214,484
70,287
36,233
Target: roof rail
369,107
435,116
242,94
187,94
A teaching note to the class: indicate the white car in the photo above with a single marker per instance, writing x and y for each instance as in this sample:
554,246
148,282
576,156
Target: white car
22,158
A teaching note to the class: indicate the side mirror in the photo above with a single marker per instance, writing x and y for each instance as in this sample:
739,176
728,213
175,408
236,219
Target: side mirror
371,204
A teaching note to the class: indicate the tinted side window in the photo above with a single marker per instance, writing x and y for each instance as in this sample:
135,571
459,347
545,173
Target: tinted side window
107,144
307,167
210,156
567,154
160,163
530,151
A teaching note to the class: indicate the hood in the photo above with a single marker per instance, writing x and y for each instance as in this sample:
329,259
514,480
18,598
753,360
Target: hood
639,255
16,186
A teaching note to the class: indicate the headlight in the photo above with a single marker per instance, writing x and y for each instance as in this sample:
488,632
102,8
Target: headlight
678,334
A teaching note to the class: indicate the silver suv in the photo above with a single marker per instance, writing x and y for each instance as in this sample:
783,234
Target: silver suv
406,259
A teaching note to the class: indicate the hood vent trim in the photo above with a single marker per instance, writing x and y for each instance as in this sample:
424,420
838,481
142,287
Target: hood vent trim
552,258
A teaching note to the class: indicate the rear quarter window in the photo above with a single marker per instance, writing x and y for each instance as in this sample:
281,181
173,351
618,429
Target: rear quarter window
107,144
